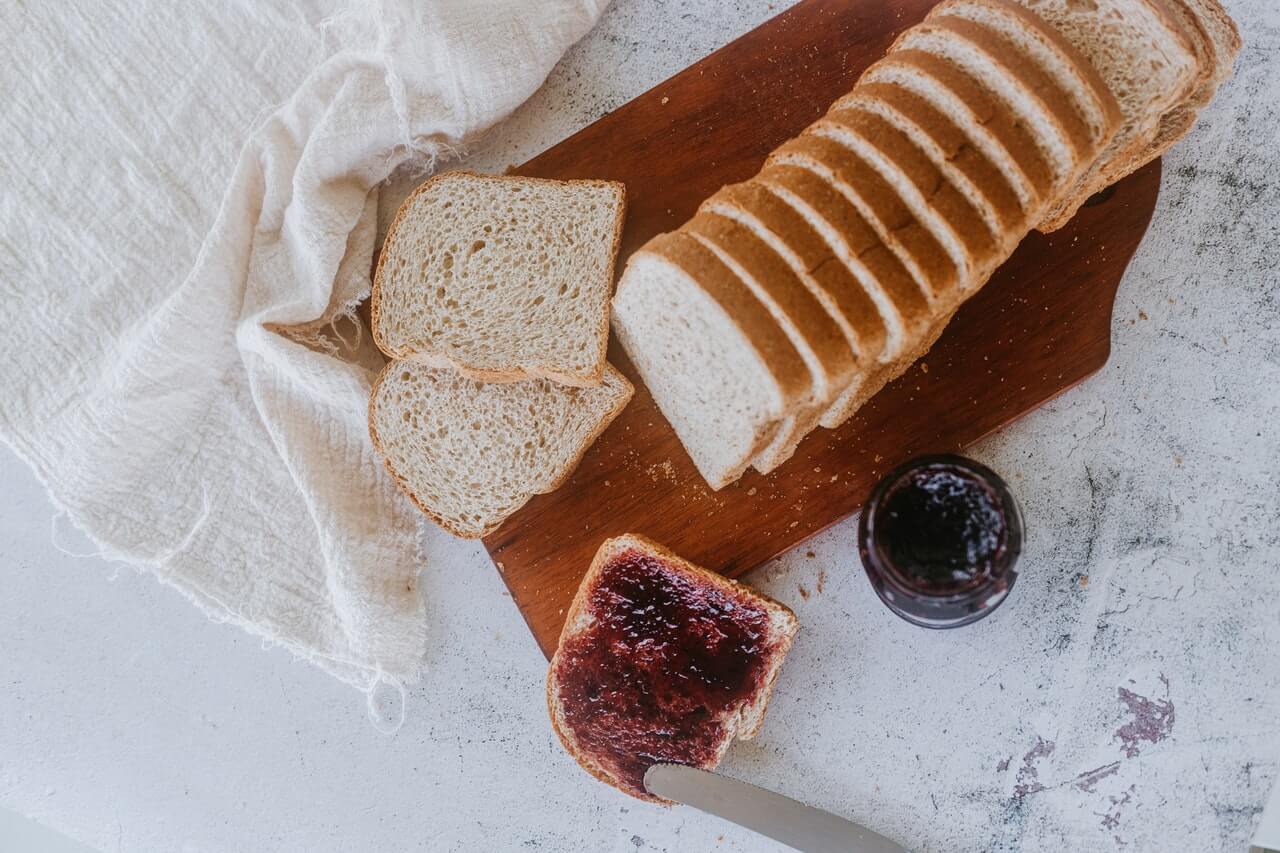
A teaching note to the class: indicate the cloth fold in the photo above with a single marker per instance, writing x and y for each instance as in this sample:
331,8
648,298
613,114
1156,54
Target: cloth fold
180,367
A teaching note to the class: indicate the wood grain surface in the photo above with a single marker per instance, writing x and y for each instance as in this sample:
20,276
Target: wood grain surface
1041,325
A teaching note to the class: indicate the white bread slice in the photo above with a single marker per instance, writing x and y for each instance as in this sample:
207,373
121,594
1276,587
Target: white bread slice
1075,83
470,454
789,234
1066,152
501,278
876,214
1147,63
902,302
990,126
594,670
800,314
792,236
930,196
904,309
1217,43
716,362
948,147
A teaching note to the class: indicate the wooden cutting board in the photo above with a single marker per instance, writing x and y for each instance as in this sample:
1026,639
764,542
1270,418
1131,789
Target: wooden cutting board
1041,325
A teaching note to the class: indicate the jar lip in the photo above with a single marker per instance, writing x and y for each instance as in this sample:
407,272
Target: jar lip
875,560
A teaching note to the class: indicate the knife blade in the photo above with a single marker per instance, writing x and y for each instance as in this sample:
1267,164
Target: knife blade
781,818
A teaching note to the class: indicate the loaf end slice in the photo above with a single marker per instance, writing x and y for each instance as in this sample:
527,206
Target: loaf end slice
716,362
502,278
619,691
470,454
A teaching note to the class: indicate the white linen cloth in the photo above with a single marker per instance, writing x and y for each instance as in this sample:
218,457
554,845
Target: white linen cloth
178,363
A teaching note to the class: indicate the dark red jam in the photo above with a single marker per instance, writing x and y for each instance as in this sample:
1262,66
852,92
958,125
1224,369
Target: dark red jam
651,681
939,538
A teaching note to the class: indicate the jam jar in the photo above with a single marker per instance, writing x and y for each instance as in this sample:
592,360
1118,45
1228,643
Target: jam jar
939,538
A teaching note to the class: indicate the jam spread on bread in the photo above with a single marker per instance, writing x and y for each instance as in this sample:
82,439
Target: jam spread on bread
662,668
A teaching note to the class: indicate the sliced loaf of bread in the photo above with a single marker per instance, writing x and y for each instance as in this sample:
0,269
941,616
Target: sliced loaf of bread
874,214
989,124
1025,33
948,147
469,454
929,194
904,307
1147,62
1216,42
789,233
717,363
1065,147
799,313
501,278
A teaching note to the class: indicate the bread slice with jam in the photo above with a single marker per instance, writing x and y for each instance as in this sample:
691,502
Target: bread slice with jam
661,662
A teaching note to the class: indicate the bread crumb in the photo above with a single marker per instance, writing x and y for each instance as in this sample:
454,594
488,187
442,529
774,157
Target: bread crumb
804,593
662,469
817,470
501,568
810,554
822,580
665,99
924,367
1084,581
835,477
751,491
1142,315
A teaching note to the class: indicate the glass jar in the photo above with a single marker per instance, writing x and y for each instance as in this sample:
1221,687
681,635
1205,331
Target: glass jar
939,538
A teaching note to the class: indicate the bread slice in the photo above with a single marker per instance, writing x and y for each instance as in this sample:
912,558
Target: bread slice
930,196
1041,46
904,308
903,303
470,454
716,362
872,214
1217,43
501,278
1147,63
802,317
661,661
1010,79
968,169
795,239
990,125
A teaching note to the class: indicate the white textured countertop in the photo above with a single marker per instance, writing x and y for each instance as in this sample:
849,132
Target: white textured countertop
1126,697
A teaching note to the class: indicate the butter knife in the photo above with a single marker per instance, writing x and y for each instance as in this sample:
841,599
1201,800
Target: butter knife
781,818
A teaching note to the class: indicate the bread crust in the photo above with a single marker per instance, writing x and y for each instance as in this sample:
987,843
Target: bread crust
1102,96
607,550
989,112
446,524
954,154
507,373
1137,152
877,219
758,326
840,289
1030,80
979,246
